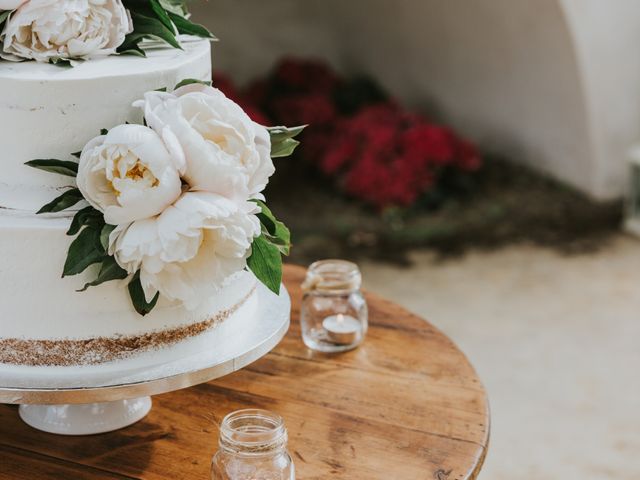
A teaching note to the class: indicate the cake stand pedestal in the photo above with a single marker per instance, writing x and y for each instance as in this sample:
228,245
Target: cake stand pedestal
118,400
86,419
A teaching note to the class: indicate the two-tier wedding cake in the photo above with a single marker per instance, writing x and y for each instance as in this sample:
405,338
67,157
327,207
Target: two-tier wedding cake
131,212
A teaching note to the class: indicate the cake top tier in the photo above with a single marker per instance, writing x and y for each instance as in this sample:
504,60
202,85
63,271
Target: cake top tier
51,112
65,32
158,60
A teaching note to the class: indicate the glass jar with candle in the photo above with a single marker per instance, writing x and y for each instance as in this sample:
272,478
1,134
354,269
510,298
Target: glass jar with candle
334,314
253,446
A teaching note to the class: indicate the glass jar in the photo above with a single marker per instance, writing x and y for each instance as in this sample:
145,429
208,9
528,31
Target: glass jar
253,446
334,315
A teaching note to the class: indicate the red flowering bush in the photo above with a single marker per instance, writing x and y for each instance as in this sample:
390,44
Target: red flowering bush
387,156
374,149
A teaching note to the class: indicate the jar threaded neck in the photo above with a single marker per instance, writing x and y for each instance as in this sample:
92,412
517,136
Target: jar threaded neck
333,276
252,432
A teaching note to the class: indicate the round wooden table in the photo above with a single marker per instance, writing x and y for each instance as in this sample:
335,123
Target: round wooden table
405,405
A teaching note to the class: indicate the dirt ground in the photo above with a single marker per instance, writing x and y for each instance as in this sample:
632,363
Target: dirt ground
503,204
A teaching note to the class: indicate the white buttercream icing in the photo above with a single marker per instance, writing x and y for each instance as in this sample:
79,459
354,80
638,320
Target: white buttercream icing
51,112
38,304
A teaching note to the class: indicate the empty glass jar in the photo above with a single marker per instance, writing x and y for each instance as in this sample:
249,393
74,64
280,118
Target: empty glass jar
253,446
334,314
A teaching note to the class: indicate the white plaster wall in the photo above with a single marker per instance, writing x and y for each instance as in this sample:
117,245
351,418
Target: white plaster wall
606,38
552,83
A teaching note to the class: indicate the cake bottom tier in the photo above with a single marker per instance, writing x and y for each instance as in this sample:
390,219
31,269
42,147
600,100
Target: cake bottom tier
44,321
251,332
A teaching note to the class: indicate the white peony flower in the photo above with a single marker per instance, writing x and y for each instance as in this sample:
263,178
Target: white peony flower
188,251
70,29
131,173
10,4
226,152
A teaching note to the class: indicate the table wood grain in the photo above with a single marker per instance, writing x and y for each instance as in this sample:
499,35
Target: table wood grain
405,405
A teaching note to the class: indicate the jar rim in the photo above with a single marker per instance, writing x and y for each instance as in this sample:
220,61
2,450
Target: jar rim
333,275
252,431
334,265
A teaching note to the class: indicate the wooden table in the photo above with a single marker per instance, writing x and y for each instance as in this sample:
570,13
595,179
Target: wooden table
406,405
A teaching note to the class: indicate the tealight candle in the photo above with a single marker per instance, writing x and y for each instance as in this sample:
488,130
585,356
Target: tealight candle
342,329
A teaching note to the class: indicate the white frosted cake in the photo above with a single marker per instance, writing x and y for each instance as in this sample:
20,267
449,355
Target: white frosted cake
47,111
146,189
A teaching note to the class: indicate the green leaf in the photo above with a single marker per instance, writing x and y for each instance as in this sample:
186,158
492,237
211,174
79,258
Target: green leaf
86,216
4,15
134,50
267,221
282,243
104,131
61,62
284,148
187,27
109,270
132,41
148,27
77,154
191,81
279,134
83,252
282,140
137,296
277,232
162,14
64,201
174,6
267,217
104,235
61,167
266,263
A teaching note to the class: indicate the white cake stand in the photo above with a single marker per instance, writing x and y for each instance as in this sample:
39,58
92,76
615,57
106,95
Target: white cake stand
99,399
